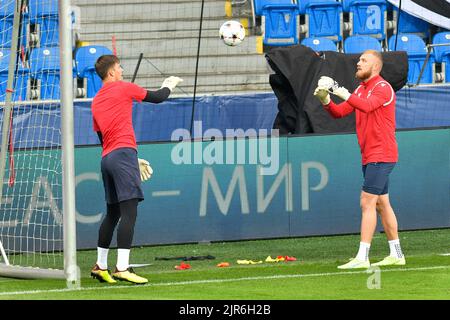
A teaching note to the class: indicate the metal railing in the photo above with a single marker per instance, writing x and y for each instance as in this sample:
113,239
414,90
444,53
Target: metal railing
429,48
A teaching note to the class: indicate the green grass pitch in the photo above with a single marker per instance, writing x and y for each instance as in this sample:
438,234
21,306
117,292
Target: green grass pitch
313,276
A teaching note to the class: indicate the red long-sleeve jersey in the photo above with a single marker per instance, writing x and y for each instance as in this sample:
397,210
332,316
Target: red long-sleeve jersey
112,114
374,105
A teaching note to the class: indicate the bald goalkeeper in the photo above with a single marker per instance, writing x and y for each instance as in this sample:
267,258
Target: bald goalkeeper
373,102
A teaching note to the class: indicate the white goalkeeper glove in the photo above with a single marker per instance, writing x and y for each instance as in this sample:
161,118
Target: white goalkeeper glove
321,93
327,83
171,82
342,93
333,87
145,169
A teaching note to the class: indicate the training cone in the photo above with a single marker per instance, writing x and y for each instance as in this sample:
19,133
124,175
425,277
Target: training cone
183,266
287,258
248,262
223,265
270,259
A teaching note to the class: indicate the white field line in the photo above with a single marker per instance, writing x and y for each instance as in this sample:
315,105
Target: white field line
182,283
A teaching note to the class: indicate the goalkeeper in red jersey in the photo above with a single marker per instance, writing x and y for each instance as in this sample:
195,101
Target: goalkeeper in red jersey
373,102
122,171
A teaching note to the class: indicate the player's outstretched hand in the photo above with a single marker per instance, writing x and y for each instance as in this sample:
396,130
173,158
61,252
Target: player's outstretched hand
171,82
327,83
342,93
321,93
145,169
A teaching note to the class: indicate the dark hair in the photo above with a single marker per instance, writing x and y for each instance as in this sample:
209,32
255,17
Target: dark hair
104,63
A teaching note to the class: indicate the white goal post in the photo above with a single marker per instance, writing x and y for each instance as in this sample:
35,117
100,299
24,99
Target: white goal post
3,254
37,172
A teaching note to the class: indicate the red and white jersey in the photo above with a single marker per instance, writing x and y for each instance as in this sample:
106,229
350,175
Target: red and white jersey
112,114
374,105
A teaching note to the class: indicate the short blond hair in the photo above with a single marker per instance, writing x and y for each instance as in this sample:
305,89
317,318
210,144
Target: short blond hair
376,54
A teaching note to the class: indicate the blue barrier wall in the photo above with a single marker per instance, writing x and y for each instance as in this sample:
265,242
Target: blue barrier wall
315,190
416,108
419,107
156,122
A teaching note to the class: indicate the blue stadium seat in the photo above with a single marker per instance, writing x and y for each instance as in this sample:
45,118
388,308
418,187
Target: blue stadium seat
280,25
320,44
440,51
45,14
368,17
411,43
21,80
302,6
6,24
417,51
45,67
259,5
324,19
361,43
346,5
85,58
411,24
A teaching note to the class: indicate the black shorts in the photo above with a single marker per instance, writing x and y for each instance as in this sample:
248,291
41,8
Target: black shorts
121,176
376,177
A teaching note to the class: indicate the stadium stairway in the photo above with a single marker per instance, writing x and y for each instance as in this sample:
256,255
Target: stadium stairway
166,32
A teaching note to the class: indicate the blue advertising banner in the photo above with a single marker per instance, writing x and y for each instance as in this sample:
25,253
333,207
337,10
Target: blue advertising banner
268,187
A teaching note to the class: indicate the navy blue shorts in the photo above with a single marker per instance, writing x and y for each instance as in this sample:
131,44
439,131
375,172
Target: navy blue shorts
121,176
376,177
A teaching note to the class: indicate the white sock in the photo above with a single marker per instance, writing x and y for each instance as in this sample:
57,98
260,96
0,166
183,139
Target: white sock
123,256
396,250
102,258
363,252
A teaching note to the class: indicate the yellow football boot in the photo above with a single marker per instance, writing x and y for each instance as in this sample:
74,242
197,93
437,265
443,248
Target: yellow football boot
355,264
129,275
101,275
390,261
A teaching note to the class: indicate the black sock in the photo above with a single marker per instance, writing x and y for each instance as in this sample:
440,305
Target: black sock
125,231
108,225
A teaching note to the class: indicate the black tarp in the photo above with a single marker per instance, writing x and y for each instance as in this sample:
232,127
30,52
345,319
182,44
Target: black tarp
296,72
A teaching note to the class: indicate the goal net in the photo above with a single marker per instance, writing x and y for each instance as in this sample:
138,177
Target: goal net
32,216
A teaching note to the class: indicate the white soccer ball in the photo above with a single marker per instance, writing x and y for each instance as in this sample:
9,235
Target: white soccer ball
232,33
